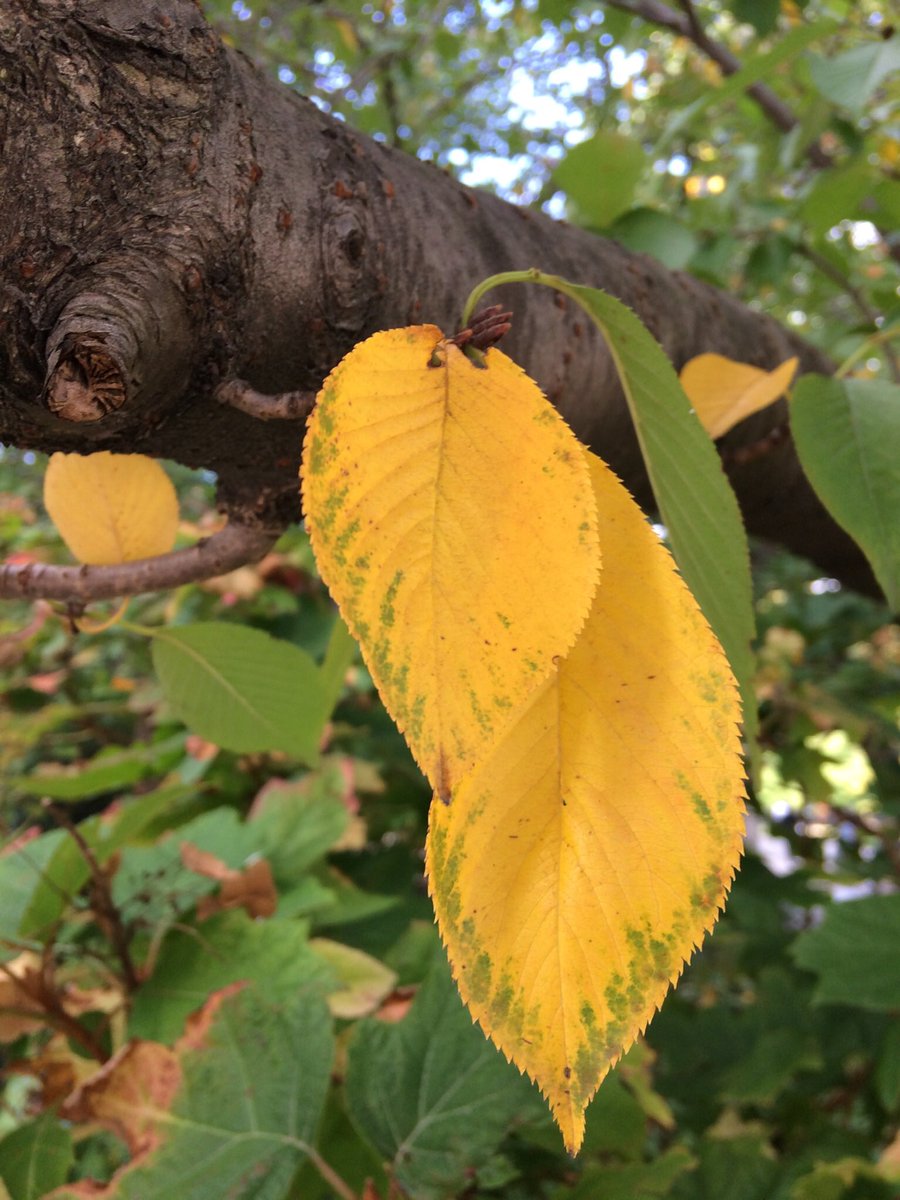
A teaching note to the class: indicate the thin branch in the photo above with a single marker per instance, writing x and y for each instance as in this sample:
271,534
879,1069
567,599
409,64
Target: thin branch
687,25
232,547
41,991
282,406
837,277
102,904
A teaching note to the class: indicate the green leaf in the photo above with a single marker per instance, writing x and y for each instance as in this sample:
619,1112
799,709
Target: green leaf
847,433
633,1181
362,981
152,885
849,79
854,953
22,875
252,1084
753,70
761,14
339,655
769,1065
836,196
295,823
887,1070
111,770
431,1093
739,1168
35,1158
600,176
241,689
274,955
667,239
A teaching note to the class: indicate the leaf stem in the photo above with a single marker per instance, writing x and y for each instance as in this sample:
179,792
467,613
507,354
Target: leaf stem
882,335
102,626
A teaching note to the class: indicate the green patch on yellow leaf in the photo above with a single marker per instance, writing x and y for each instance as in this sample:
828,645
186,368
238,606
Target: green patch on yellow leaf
724,392
111,508
469,501
578,866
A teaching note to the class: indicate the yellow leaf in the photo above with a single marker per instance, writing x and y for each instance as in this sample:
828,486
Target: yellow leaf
576,869
111,508
724,392
451,514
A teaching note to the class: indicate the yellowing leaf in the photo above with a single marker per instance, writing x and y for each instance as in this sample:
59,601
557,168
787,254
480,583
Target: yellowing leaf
577,868
111,508
724,392
452,517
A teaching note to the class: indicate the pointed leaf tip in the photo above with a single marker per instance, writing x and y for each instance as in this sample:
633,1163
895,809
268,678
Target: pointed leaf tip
577,868
452,518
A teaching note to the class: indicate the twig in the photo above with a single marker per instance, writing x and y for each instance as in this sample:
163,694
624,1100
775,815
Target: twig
232,547
821,263
886,836
687,25
282,406
102,904
51,1011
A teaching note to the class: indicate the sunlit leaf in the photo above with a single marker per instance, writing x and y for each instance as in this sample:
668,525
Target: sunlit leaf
451,515
847,434
577,868
600,176
363,982
111,508
849,79
724,392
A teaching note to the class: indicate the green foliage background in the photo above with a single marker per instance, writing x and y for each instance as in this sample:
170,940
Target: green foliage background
773,1071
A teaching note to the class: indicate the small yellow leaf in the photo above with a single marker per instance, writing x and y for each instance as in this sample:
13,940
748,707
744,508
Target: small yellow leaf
724,392
574,872
111,508
452,518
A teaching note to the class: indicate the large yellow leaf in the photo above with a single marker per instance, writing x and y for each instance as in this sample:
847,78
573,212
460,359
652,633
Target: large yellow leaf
576,869
724,392
452,517
111,508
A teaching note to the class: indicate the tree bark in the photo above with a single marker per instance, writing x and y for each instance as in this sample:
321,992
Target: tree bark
172,220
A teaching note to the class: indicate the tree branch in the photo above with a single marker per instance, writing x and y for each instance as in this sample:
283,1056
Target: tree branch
262,240
687,24
230,548
284,406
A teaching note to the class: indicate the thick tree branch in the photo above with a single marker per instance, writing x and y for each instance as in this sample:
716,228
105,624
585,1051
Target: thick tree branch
233,231
230,548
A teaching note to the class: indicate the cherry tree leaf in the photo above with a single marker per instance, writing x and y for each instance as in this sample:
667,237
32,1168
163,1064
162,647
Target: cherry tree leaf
111,508
724,392
579,865
237,1099
451,514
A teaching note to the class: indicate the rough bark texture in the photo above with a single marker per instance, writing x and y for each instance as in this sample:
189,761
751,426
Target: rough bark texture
172,220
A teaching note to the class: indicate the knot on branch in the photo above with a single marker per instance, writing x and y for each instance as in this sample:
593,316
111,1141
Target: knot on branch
87,383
